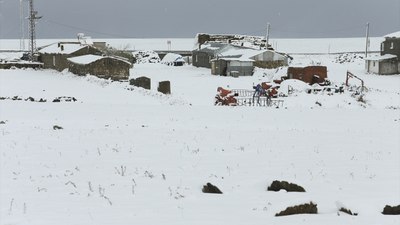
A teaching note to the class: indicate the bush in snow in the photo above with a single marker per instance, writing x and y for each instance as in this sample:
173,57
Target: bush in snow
289,187
348,58
211,189
391,210
347,211
56,127
310,208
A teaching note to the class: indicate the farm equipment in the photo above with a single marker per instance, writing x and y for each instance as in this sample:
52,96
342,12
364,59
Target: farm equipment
263,94
225,97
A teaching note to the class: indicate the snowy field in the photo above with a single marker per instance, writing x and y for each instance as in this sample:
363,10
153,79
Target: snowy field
132,156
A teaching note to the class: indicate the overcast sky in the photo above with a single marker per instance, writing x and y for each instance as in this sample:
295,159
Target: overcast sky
185,18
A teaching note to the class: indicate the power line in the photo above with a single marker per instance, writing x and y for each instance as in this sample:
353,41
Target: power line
319,32
112,35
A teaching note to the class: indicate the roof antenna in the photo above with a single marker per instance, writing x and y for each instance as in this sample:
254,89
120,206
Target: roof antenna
33,17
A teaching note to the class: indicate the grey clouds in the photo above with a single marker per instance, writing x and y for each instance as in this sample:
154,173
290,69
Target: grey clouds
185,18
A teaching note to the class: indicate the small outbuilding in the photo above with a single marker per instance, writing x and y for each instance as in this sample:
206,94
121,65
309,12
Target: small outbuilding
106,67
309,74
388,62
202,57
383,64
232,67
173,59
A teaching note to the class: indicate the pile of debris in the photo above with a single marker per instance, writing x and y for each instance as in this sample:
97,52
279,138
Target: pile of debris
348,58
146,57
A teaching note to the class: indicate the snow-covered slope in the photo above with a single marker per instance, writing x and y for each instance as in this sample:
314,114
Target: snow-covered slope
131,156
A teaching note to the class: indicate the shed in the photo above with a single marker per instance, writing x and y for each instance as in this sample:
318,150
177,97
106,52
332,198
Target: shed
55,55
173,59
309,74
101,66
232,67
202,57
383,65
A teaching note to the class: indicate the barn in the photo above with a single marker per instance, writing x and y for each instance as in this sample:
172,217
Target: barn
106,67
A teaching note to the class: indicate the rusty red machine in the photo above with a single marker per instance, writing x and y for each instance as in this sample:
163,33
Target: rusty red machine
264,94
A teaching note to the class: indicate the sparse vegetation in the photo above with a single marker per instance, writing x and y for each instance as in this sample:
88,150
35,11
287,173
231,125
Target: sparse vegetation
347,211
56,127
289,187
211,189
391,210
310,208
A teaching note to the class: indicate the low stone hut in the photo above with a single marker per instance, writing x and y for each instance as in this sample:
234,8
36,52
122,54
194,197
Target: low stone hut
106,67
309,74
55,56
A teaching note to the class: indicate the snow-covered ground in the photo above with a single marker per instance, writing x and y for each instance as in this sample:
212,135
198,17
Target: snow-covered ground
132,156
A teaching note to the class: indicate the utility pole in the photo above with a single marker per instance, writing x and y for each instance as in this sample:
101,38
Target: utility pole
267,37
367,41
33,17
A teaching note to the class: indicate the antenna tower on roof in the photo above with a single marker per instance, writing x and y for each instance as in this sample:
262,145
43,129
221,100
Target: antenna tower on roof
33,17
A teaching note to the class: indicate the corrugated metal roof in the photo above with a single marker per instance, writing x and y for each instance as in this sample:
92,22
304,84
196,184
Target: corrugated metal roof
381,57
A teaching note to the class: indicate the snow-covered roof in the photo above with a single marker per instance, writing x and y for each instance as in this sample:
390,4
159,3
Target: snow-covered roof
381,57
212,47
172,57
87,59
235,51
62,48
393,35
241,59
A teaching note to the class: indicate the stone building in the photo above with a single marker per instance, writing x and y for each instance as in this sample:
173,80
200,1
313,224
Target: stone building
55,56
309,74
101,66
389,60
